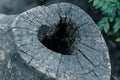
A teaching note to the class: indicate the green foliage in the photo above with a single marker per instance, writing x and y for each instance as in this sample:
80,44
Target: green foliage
111,11
117,24
118,39
104,24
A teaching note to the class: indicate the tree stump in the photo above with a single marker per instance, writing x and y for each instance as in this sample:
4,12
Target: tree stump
56,42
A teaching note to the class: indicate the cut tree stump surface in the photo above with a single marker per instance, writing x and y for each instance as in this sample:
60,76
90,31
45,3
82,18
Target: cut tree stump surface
56,42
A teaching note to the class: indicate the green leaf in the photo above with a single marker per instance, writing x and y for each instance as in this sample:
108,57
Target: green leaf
116,26
118,39
110,33
118,4
111,18
95,2
99,4
111,9
118,7
117,19
105,6
104,24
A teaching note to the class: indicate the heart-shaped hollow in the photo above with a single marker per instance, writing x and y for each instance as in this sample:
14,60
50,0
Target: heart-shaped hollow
61,37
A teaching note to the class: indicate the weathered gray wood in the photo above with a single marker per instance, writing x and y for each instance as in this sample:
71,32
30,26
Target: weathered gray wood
12,67
56,42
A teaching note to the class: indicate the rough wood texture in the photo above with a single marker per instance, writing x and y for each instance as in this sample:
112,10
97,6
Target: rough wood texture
56,42
12,67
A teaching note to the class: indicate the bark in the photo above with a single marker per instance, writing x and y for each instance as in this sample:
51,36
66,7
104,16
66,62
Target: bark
55,42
